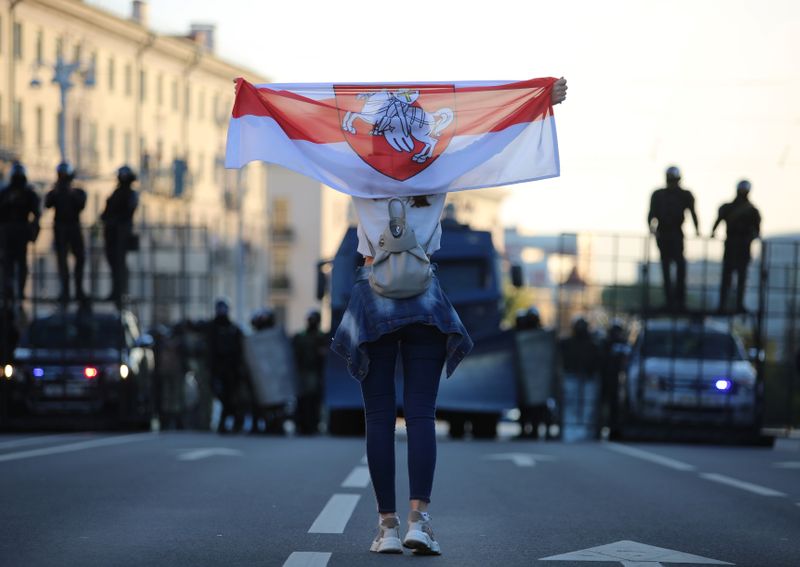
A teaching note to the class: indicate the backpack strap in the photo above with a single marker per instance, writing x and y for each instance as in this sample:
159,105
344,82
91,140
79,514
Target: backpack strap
402,242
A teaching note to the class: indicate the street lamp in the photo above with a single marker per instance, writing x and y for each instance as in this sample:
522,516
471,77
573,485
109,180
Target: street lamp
62,75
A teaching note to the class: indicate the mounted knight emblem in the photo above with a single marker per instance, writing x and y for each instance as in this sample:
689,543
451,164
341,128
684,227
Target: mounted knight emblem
397,130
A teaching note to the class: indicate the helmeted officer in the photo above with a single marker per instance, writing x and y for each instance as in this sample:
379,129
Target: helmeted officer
668,207
615,350
20,210
743,225
117,220
310,347
68,202
226,361
581,362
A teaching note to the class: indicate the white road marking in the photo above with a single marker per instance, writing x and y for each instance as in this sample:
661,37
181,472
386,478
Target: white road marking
358,478
104,442
335,515
307,559
748,486
197,454
634,554
33,440
648,456
787,465
520,459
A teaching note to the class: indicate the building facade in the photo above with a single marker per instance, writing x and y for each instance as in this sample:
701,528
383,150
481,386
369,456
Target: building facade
157,103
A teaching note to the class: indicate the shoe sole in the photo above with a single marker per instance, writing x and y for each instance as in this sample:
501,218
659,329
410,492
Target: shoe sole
387,545
421,544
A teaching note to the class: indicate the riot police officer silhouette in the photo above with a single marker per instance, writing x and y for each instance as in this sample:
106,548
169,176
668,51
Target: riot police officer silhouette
668,207
68,202
743,225
117,220
20,210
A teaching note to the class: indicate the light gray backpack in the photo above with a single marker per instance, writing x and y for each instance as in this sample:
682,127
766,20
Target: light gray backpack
401,267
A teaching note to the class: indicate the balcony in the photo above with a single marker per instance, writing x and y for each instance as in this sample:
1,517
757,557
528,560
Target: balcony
280,282
282,234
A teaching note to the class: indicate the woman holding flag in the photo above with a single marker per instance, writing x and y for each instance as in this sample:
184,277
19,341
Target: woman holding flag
397,150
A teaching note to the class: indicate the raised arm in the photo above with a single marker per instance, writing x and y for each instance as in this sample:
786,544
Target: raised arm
694,217
651,214
716,223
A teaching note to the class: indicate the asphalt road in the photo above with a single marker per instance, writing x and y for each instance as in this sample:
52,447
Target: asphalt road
198,499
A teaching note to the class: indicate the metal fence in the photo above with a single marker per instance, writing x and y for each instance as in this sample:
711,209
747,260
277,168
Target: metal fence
173,274
617,277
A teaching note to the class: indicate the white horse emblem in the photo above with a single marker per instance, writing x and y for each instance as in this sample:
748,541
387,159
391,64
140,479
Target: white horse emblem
391,114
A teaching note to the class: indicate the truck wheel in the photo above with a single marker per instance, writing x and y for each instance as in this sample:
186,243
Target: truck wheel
348,423
484,426
457,426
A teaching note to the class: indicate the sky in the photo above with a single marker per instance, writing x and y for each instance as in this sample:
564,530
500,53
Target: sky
712,86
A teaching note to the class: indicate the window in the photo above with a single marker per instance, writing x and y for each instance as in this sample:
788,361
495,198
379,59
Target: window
91,76
201,105
696,344
77,52
17,40
110,73
17,120
93,141
1,36
39,47
187,97
39,126
59,48
200,163
111,140
59,129
280,263
128,80
142,85
280,213
126,143
160,89
175,95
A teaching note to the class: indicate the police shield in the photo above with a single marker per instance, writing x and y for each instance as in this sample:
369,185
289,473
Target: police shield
270,361
536,351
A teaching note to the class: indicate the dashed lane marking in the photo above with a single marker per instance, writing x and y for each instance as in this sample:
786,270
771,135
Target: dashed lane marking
651,457
748,486
38,440
358,478
80,446
307,559
335,515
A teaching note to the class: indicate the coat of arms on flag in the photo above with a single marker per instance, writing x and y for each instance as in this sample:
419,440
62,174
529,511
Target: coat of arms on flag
399,139
397,130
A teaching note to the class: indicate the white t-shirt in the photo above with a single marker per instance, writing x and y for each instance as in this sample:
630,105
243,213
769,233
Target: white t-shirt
373,218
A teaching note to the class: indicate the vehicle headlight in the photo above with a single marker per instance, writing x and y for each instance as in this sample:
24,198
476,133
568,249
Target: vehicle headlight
8,371
124,371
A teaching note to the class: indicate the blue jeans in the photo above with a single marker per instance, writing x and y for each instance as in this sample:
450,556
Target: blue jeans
423,348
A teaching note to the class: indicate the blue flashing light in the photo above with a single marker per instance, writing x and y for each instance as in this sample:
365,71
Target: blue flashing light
38,372
723,384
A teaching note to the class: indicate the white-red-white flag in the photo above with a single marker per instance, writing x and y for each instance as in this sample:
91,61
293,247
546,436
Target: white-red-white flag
382,140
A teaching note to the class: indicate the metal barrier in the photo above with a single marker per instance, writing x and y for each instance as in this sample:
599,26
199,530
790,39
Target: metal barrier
617,277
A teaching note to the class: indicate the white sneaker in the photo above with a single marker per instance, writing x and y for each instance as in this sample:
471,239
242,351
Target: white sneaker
420,534
388,538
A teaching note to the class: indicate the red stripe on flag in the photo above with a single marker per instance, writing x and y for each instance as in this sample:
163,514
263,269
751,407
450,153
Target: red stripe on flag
479,109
